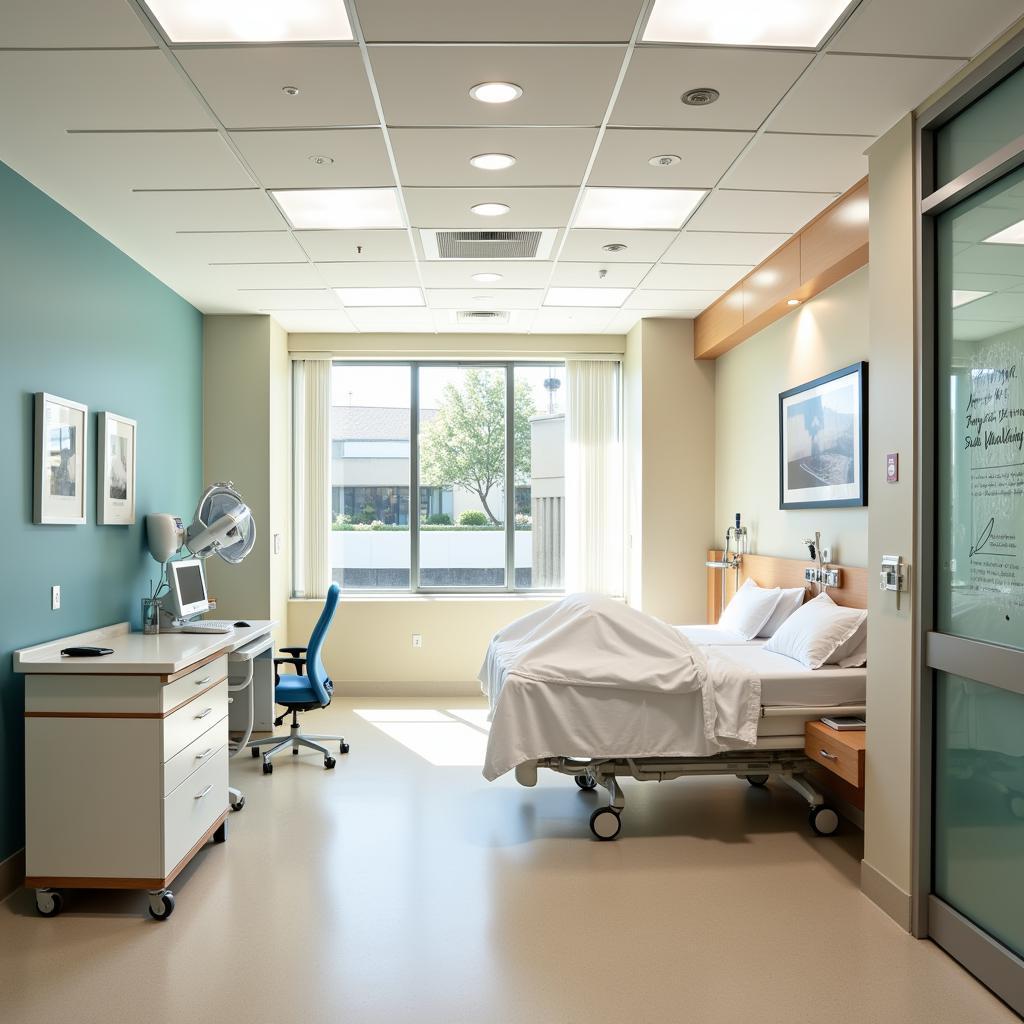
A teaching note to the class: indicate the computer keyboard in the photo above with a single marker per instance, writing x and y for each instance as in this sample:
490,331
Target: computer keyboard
207,626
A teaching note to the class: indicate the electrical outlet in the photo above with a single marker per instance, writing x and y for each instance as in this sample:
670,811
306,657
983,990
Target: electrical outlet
277,543
826,554
54,598
417,639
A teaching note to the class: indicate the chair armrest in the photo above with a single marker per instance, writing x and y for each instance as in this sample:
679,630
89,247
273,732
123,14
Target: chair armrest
299,663
293,650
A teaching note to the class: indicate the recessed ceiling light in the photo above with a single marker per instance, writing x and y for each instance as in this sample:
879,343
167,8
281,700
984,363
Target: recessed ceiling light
586,296
1013,235
703,96
743,22
637,207
341,207
492,161
489,209
290,90
319,159
254,21
792,302
496,92
961,296
487,278
380,296
615,247
665,160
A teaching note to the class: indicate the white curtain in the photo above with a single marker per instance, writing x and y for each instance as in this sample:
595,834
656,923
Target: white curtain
312,495
593,477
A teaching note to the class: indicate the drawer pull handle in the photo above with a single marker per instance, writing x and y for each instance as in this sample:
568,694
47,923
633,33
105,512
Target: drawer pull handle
206,789
831,757
203,681
205,754
203,714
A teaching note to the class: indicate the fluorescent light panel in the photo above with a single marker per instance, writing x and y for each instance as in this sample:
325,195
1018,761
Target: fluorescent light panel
1013,235
251,21
380,296
743,22
961,296
595,297
637,208
313,208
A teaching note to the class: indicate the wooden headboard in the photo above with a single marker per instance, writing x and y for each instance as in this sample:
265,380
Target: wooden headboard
766,571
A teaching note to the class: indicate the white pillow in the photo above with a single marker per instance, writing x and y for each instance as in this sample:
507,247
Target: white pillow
789,601
858,659
814,632
749,610
855,647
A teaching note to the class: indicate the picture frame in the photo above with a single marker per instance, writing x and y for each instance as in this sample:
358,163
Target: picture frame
115,477
61,482
822,441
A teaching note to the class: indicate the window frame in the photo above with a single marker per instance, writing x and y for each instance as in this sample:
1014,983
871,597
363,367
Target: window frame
415,365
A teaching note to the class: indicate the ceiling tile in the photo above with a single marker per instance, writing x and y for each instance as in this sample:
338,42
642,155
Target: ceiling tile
391,318
291,298
705,157
857,95
739,248
571,319
389,245
586,245
587,275
626,319
484,298
450,207
429,85
239,246
73,23
776,212
751,83
495,21
937,28
210,210
244,85
369,275
459,273
315,321
519,320
283,159
714,277
544,156
275,276
802,163
679,300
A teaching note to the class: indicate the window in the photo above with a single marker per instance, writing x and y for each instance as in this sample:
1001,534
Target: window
468,530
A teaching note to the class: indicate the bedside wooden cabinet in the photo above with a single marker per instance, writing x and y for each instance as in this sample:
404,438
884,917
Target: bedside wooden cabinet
842,754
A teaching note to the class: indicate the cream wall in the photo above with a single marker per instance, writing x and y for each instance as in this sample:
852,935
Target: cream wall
669,413
827,333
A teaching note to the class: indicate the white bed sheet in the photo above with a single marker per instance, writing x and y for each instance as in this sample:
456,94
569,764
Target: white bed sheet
787,683
709,635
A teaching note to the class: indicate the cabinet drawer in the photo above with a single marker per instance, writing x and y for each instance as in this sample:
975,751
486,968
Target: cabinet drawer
176,693
825,747
193,807
195,755
193,719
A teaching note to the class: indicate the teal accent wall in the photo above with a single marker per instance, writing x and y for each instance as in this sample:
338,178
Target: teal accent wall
79,319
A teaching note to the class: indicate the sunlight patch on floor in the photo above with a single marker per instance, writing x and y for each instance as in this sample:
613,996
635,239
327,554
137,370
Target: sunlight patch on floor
446,739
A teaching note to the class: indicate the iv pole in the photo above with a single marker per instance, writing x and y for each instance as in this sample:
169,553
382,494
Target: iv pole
731,559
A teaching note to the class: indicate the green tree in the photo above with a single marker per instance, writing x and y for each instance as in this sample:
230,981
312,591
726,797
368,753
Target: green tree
464,445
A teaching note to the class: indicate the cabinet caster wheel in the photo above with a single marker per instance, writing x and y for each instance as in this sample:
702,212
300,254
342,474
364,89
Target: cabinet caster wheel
343,747
268,768
760,781
295,751
585,782
329,762
255,751
605,824
824,821
161,905
238,804
49,902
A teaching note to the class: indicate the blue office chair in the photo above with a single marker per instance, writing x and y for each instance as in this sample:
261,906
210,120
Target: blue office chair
309,689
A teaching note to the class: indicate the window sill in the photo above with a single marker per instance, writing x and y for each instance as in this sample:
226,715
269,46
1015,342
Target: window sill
349,598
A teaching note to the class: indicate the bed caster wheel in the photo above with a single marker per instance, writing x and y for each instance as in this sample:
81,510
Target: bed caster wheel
161,905
237,805
760,781
255,751
605,824
49,902
585,782
343,747
823,820
329,762
268,768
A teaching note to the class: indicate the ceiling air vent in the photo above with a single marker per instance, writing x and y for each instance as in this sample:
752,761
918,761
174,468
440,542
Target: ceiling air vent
529,244
476,316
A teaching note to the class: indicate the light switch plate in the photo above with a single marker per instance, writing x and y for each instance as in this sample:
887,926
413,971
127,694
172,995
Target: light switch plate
54,598
892,467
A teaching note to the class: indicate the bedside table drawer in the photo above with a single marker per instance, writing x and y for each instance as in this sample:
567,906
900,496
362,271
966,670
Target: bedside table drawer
827,748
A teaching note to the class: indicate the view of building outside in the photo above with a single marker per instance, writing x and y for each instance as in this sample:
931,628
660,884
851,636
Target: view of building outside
461,492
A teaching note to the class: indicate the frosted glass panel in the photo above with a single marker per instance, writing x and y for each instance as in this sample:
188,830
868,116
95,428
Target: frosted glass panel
980,406
979,805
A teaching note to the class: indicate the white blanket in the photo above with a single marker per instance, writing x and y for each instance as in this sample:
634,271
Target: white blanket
572,679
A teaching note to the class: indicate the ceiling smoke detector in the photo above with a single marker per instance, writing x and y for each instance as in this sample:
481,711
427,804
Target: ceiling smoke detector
319,159
665,160
615,247
290,90
700,97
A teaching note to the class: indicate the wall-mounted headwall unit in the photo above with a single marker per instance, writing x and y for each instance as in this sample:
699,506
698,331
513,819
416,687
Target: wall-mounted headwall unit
831,246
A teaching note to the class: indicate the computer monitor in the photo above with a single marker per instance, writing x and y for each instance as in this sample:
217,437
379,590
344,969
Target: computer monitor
187,582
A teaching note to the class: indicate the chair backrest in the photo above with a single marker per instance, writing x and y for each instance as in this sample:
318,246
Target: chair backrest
315,671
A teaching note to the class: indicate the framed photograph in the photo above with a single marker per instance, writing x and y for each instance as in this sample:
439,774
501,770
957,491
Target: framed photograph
61,441
823,427
115,479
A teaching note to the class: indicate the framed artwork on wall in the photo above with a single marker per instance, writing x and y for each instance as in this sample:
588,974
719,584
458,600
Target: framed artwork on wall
115,478
823,428
61,441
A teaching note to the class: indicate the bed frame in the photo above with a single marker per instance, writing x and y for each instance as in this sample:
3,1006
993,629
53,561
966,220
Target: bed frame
780,753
